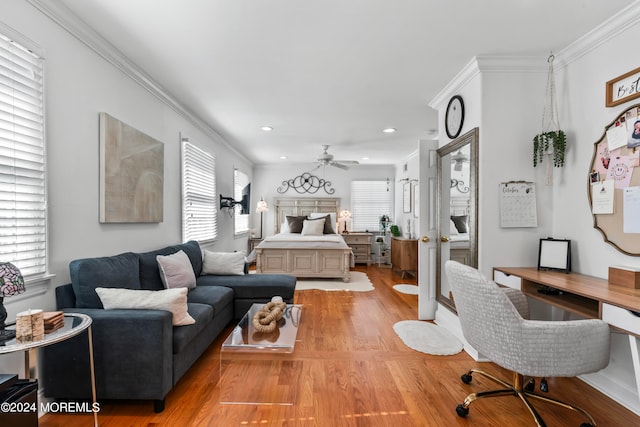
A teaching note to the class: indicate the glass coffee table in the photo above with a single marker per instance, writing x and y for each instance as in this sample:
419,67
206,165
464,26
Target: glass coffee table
266,358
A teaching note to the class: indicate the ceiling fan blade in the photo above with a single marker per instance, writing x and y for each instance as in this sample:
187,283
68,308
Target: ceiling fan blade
348,162
339,165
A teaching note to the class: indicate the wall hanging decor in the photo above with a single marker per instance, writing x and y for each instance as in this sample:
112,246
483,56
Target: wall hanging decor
131,174
623,88
306,183
551,141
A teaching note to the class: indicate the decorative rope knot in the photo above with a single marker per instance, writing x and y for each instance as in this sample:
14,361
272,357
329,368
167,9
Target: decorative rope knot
266,319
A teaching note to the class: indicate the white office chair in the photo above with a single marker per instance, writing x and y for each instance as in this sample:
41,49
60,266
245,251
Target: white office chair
494,322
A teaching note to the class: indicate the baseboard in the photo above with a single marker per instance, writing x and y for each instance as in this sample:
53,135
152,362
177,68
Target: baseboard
624,396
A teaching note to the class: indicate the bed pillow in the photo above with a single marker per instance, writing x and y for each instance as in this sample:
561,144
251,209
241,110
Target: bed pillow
223,263
173,300
295,223
176,271
313,227
331,221
328,229
461,223
284,227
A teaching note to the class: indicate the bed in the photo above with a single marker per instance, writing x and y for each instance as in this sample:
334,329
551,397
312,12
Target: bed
304,256
459,233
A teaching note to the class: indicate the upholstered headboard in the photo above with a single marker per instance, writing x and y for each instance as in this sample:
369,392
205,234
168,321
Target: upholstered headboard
303,206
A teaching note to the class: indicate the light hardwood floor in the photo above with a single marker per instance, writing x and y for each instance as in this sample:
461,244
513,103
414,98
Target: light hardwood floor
350,369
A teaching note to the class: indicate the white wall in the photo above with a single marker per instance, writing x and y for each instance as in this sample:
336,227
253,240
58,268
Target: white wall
79,85
268,178
581,90
407,171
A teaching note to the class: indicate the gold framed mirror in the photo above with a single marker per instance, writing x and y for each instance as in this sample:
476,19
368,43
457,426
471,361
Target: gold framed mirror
457,207
612,187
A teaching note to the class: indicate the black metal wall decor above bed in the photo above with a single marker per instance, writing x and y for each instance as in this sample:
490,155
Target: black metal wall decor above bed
306,183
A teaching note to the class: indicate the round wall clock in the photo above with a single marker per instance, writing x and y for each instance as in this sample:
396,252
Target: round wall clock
454,117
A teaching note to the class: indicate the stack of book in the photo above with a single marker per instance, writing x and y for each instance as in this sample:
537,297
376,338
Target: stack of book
53,320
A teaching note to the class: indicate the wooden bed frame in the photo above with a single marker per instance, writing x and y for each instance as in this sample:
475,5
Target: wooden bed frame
324,263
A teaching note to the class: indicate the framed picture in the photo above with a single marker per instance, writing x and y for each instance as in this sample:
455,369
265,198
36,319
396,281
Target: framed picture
554,254
416,200
623,88
406,197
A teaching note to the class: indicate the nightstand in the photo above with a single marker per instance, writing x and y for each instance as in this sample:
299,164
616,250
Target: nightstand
360,244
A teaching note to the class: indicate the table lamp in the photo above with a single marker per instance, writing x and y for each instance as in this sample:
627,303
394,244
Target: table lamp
262,207
11,283
345,215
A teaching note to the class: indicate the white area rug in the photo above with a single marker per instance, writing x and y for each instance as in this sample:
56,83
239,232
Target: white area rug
427,337
406,289
359,283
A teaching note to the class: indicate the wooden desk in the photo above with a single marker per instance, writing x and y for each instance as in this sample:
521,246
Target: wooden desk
586,296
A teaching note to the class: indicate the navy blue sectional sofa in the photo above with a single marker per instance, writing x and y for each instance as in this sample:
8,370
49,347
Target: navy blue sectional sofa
139,354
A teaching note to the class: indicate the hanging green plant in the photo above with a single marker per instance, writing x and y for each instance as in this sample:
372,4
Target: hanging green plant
556,141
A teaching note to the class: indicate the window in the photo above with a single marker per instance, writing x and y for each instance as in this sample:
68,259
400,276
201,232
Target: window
23,209
369,201
199,209
240,189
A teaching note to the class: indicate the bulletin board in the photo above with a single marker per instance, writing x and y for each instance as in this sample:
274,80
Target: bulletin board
613,182
518,204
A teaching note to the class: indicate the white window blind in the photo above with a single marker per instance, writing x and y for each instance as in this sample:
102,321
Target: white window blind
369,201
199,209
241,222
23,215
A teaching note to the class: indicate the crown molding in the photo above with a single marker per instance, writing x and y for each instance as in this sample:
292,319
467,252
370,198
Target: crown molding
71,23
487,64
617,24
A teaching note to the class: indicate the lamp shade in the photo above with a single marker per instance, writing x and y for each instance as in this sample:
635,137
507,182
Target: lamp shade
345,214
11,280
262,206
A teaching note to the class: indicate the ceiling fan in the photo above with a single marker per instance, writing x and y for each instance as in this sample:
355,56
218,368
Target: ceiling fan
326,159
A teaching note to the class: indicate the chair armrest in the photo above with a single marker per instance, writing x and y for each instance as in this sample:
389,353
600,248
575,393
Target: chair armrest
564,348
519,301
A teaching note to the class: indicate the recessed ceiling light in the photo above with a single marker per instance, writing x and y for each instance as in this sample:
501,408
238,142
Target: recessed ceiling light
283,157
266,128
365,158
389,130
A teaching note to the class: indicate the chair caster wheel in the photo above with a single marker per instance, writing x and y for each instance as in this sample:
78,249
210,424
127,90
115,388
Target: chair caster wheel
462,411
466,378
530,386
544,387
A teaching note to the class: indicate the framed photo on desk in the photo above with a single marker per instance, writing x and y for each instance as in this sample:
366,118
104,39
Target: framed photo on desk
554,254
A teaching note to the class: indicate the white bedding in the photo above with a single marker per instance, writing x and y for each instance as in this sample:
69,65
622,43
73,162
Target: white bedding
297,240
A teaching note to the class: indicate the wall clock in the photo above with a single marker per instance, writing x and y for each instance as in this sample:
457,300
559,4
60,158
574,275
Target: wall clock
454,117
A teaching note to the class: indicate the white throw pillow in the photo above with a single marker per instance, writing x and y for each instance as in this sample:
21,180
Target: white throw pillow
223,263
173,300
284,227
176,271
313,228
453,231
333,216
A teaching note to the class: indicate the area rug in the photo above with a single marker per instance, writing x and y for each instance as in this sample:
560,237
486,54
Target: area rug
427,337
359,283
406,289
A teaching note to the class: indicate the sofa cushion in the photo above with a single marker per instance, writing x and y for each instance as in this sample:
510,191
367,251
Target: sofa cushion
176,271
118,271
223,263
219,297
253,286
150,274
172,300
183,335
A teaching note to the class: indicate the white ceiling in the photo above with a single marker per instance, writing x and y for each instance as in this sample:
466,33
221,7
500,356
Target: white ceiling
327,71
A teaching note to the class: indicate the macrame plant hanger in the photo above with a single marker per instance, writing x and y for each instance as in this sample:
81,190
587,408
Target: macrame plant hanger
550,117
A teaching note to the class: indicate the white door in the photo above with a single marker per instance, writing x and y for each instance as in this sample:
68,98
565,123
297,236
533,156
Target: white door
427,303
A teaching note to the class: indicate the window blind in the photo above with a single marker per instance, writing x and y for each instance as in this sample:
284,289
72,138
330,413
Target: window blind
241,222
199,209
369,201
23,215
